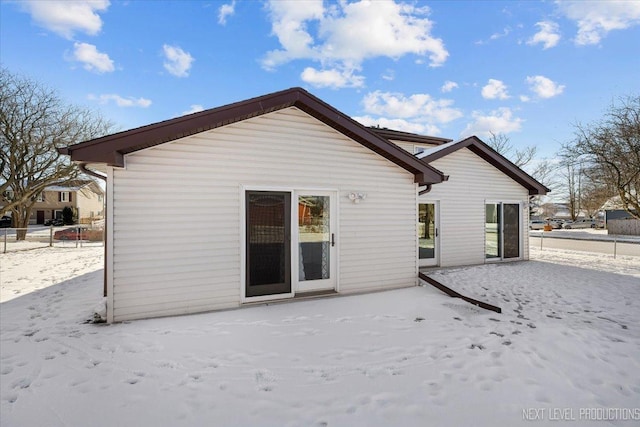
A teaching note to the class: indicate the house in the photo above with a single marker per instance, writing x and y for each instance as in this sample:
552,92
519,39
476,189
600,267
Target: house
282,196
85,197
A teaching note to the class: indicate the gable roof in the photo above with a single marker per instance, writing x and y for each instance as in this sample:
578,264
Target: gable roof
111,149
475,145
76,185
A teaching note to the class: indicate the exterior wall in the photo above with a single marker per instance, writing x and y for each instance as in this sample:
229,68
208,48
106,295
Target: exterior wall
50,205
472,181
177,213
84,200
89,204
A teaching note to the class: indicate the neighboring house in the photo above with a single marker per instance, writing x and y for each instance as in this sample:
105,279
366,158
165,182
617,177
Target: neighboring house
86,197
613,209
282,196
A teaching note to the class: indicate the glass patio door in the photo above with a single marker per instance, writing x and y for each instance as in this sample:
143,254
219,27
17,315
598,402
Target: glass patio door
428,234
268,243
316,241
502,231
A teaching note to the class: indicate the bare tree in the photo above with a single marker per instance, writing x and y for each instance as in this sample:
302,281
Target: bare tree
610,149
519,157
34,123
549,210
541,169
592,197
571,176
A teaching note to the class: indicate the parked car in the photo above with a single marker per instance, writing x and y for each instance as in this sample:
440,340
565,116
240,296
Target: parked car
555,223
78,233
580,223
54,221
5,221
537,224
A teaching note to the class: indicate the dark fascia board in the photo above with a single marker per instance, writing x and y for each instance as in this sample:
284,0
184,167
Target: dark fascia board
409,137
111,149
477,146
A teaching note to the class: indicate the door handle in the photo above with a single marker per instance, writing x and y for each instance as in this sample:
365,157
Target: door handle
436,232
333,239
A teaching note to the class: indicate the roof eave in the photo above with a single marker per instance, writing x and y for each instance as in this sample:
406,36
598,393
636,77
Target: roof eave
477,146
111,149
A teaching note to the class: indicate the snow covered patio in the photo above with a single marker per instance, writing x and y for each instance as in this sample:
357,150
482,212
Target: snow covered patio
566,345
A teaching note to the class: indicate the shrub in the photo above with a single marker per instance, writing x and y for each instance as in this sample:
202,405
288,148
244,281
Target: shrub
67,215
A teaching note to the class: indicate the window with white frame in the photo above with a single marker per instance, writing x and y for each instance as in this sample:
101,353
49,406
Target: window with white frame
40,197
65,196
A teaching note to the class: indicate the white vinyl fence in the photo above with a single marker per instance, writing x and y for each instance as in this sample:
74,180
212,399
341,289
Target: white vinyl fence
71,236
614,245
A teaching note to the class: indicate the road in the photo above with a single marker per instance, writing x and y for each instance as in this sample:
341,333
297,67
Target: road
603,247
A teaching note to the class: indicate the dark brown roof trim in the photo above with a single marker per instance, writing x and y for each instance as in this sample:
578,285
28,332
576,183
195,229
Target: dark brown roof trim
475,145
111,149
409,137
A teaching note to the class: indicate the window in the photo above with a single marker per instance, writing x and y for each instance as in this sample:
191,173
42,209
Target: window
64,196
40,197
502,230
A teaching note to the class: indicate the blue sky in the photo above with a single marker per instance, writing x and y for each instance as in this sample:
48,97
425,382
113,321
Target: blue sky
528,69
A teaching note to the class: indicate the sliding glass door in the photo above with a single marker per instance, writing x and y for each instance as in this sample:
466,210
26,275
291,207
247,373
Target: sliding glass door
428,234
502,231
268,243
511,230
290,243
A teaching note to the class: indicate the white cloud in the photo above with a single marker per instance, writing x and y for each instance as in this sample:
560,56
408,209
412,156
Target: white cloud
524,98
389,75
544,87
195,108
121,101
497,121
495,36
346,34
399,124
548,35
332,78
504,33
225,11
418,113
448,86
420,105
67,17
495,89
178,62
596,18
92,59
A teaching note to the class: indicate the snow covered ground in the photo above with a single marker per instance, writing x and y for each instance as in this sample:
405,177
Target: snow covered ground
567,345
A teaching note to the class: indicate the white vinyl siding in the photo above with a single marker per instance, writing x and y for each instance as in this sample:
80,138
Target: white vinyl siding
177,212
472,182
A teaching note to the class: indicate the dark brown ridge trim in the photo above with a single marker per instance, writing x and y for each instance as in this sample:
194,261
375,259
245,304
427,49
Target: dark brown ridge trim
477,146
111,149
455,294
408,136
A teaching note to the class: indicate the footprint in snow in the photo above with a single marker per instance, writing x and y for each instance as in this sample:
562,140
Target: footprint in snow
264,380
